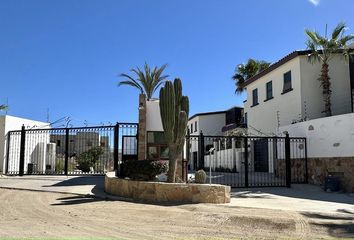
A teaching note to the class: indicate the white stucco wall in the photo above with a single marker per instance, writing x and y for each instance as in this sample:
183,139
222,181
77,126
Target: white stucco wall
263,117
212,124
153,118
311,90
326,137
304,101
193,121
11,123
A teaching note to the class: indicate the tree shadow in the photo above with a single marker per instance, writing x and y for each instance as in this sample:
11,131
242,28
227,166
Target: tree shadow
340,230
79,199
327,216
337,225
98,195
78,181
302,191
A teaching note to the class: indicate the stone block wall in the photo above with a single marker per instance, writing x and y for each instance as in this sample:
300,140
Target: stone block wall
167,192
142,128
298,169
343,167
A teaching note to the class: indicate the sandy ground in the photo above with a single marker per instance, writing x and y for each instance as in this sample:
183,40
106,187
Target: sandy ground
50,215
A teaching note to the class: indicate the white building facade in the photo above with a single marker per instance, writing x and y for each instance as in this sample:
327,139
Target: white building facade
11,123
289,91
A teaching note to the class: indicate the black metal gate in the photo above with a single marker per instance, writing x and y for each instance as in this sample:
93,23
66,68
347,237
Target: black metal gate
69,151
248,161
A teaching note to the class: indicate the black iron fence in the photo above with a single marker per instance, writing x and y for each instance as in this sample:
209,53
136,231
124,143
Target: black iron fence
70,151
248,161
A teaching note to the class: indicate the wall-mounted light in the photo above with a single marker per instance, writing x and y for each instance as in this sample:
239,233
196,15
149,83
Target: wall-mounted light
141,106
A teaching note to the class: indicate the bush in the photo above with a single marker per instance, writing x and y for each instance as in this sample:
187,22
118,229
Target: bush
89,158
143,170
60,165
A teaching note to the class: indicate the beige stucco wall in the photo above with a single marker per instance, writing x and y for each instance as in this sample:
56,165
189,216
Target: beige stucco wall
153,118
311,90
282,109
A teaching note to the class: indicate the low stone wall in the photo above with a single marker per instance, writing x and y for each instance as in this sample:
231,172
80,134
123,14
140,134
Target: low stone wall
167,192
297,166
343,167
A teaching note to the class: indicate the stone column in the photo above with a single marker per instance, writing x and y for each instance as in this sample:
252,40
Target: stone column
142,128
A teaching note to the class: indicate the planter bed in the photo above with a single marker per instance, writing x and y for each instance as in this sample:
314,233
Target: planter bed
166,192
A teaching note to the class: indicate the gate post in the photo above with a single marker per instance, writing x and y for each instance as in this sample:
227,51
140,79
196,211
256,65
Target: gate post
66,165
246,160
7,152
306,166
115,148
185,164
22,150
201,151
287,161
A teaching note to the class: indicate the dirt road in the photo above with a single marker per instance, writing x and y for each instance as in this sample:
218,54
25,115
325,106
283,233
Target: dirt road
48,215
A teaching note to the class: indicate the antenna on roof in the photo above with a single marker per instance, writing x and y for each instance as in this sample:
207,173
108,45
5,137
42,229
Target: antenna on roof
48,115
7,104
326,31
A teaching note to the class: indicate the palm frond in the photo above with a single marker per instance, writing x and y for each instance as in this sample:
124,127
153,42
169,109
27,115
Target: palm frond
3,107
133,84
338,30
147,80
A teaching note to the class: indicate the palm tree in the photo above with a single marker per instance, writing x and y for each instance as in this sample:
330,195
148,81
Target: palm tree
3,107
322,50
147,81
246,71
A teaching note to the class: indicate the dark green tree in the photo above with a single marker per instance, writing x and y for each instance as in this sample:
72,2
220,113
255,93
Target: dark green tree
246,71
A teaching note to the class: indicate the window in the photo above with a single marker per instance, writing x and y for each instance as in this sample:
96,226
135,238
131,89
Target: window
287,82
58,143
156,146
195,127
255,97
191,127
245,119
269,90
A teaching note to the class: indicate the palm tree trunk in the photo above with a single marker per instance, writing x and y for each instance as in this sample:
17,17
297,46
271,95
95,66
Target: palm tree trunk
326,88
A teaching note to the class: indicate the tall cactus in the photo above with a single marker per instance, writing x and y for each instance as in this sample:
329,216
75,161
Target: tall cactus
174,110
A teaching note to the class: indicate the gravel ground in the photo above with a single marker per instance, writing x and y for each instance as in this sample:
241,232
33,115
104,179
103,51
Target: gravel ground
29,214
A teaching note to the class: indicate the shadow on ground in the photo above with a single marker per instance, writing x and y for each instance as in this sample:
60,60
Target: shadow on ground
302,191
339,225
78,181
98,194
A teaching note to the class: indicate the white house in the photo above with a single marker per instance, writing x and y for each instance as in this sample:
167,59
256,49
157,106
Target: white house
11,123
289,91
209,123
287,97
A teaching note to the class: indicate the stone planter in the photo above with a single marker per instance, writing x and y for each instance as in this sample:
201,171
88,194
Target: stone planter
166,192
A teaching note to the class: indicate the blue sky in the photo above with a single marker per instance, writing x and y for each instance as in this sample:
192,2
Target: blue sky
65,55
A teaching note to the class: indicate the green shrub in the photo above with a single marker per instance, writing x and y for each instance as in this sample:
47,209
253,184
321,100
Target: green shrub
89,158
60,165
143,170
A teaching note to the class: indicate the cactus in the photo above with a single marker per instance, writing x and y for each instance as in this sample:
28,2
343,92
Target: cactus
200,176
174,110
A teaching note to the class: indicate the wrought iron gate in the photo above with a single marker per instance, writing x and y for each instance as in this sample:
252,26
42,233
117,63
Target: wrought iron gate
69,151
248,161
